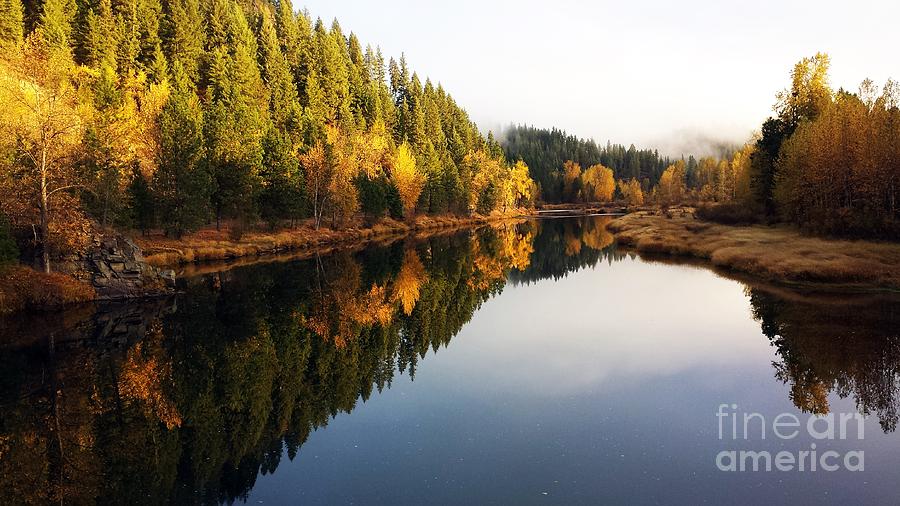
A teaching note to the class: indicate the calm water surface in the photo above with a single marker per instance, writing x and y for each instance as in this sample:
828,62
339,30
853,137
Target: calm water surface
527,364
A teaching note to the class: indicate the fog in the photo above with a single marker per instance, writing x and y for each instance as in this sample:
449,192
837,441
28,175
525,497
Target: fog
681,76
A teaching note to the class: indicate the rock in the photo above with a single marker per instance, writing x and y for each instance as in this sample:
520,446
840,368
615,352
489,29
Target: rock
169,277
115,266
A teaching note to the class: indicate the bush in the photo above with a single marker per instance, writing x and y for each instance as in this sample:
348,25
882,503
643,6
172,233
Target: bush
25,288
729,214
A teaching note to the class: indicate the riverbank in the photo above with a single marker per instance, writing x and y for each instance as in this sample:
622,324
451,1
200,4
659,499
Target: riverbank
23,288
215,245
780,254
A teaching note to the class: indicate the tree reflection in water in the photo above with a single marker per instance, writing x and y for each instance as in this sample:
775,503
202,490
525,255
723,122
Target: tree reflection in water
848,345
189,400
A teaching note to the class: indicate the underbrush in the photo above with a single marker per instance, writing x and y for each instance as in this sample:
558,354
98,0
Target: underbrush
25,288
729,214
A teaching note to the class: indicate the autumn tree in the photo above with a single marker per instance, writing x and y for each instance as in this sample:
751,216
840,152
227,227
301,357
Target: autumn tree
672,184
598,184
810,92
571,181
318,169
407,178
740,174
42,120
518,187
631,192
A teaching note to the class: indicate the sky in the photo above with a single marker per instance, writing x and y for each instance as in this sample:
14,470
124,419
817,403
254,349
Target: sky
678,76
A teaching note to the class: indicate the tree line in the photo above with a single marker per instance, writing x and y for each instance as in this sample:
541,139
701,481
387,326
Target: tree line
176,114
546,152
828,162
568,169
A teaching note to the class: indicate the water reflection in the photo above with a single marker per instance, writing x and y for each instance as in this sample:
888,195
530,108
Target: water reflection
192,399
848,345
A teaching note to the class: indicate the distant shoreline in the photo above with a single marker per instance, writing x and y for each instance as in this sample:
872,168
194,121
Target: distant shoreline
779,254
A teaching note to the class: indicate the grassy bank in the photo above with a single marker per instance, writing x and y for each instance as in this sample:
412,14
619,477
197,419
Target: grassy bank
215,245
780,254
25,288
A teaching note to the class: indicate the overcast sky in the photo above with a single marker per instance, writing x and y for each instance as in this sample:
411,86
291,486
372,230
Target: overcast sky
653,73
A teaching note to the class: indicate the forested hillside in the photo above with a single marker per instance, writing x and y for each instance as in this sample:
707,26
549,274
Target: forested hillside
177,114
546,151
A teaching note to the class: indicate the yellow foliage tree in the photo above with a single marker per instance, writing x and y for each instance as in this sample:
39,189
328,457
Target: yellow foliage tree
740,173
483,170
518,187
631,192
671,184
571,175
598,184
40,116
407,178
346,155
409,281
319,172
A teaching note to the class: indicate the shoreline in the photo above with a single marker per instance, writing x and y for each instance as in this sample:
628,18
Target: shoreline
776,254
214,246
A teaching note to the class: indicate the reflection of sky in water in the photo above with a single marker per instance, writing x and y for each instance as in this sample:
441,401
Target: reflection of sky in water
599,387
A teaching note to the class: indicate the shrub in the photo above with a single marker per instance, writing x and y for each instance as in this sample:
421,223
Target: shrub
25,288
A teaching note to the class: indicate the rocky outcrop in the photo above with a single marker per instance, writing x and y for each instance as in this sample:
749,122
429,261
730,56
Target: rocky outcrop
115,266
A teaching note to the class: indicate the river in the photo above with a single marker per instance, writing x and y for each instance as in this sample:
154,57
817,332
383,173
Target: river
529,363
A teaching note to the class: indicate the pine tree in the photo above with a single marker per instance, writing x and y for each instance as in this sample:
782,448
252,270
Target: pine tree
183,35
143,203
333,75
107,156
181,183
284,104
149,13
97,45
235,119
55,24
282,196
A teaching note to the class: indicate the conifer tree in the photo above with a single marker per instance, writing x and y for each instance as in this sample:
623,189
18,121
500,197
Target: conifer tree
183,35
55,24
181,184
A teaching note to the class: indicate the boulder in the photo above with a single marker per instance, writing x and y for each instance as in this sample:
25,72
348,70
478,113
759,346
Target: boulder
116,267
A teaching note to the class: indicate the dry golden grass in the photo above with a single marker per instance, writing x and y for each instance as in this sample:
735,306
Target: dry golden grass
215,245
22,288
774,253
